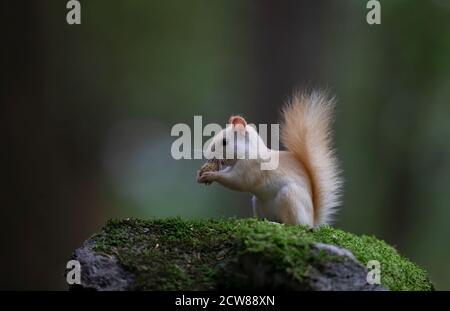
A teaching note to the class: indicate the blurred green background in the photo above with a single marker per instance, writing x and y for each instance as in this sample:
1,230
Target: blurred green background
88,109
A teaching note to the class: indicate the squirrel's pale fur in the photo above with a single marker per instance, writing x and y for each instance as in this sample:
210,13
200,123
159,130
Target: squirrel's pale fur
304,187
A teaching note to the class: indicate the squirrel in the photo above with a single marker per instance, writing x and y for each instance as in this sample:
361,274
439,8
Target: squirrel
305,186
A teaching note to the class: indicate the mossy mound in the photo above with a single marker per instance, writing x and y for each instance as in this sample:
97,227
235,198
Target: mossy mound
176,254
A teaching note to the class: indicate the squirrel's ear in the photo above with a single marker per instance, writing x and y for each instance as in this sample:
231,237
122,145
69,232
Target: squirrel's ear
237,120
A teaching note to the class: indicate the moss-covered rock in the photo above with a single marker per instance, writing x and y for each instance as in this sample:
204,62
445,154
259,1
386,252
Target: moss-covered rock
175,254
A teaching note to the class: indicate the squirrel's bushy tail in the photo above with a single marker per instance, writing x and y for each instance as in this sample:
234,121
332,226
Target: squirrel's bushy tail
306,133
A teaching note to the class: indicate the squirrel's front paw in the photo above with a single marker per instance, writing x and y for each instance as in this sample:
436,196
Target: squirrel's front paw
207,177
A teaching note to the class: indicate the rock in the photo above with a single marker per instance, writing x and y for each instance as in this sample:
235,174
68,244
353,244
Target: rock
101,271
343,275
174,254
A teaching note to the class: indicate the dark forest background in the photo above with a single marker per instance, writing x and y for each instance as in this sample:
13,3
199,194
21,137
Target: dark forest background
86,113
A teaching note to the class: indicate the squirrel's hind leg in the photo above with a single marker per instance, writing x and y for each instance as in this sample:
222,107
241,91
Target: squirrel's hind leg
294,206
264,210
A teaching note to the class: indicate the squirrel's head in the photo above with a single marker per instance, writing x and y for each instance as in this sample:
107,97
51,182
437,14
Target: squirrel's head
237,141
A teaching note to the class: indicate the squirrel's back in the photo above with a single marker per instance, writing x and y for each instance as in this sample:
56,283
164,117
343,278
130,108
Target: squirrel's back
306,133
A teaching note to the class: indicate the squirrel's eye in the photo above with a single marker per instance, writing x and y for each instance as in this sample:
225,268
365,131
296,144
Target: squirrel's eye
224,142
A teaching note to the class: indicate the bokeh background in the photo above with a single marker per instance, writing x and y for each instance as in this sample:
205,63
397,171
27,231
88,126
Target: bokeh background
87,112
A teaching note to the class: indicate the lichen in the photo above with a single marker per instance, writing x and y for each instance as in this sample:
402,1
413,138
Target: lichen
174,254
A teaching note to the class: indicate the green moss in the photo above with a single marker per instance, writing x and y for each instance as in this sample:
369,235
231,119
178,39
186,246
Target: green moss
172,254
398,273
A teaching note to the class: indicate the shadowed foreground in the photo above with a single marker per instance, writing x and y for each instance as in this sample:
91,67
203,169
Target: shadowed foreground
176,254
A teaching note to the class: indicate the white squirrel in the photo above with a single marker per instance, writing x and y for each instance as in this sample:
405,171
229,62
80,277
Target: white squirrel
305,186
